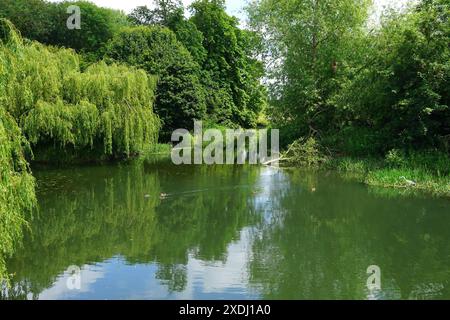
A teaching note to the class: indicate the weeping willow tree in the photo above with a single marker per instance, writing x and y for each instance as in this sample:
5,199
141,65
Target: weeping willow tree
16,182
16,186
48,102
106,109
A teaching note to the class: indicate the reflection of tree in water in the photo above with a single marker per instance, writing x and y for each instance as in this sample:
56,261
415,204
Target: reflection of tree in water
202,215
319,243
173,275
312,235
89,215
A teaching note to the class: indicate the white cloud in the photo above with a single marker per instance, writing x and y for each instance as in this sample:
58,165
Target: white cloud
59,290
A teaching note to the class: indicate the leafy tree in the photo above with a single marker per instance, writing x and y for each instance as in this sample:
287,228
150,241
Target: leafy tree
401,92
46,22
228,63
142,15
170,13
105,109
180,97
98,26
17,195
161,15
34,18
360,91
307,46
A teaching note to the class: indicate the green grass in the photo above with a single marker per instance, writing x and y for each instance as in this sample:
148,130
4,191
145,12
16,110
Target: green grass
428,170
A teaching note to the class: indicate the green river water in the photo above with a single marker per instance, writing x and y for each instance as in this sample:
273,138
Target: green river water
152,230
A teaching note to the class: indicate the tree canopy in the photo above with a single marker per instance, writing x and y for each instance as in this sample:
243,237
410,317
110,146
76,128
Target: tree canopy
359,88
46,22
180,97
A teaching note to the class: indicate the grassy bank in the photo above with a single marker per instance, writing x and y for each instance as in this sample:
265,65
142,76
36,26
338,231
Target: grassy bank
424,171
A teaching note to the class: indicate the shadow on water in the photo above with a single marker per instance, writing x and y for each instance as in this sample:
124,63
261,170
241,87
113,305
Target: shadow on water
151,230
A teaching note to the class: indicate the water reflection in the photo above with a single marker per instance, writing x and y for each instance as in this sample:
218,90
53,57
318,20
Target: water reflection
323,234
225,232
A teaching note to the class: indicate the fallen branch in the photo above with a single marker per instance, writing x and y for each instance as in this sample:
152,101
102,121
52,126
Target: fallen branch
274,160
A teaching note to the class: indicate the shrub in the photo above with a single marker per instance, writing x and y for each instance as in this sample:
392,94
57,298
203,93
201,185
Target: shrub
395,158
305,152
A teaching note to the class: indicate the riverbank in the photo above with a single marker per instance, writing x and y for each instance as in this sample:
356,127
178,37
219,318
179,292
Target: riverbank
426,170
421,172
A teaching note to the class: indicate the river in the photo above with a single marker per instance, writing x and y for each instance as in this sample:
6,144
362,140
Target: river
152,230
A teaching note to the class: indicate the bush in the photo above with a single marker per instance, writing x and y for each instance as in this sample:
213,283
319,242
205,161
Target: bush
395,158
306,153
348,165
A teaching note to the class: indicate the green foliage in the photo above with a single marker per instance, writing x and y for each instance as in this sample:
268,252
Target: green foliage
16,186
305,153
16,182
180,97
395,158
228,73
361,92
232,74
107,107
98,26
348,165
66,124
307,45
401,93
410,172
164,11
34,18
9,35
46,22
170,14
356,141
398,178
434,161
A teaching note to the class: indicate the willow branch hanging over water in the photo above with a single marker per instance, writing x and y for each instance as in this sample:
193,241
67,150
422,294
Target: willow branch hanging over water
47,101
16,183
106,107
16,186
